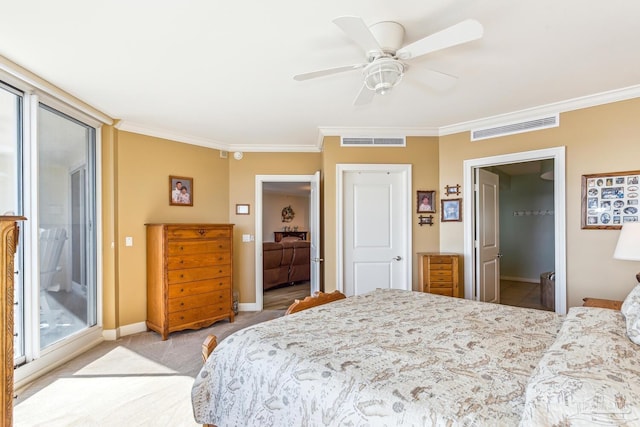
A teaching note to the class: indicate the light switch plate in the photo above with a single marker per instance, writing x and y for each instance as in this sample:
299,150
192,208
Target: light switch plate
128,241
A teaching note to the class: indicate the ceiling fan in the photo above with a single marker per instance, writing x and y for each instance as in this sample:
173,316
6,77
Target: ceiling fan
386,57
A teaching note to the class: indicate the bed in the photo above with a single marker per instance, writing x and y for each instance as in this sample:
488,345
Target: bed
402,358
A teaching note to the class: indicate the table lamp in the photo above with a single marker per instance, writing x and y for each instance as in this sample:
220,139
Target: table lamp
628,247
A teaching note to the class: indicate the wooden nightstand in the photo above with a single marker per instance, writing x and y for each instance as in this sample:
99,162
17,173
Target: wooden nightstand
602,303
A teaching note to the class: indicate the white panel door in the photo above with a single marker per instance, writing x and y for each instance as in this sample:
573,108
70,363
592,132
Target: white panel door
374,228
488,236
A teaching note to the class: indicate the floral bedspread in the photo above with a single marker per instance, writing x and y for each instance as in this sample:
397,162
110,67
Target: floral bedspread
589,377
386,358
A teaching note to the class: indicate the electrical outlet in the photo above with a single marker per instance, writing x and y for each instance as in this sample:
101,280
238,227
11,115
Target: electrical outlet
128,241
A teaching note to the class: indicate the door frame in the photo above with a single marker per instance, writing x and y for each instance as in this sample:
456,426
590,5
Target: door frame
559,197
341,170
314,233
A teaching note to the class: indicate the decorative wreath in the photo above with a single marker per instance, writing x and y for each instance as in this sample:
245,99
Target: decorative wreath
287,214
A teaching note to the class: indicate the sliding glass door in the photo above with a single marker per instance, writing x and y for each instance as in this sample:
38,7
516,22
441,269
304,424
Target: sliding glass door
66,218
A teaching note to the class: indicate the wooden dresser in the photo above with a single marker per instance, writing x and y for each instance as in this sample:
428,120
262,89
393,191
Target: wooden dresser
189,276
439,273
8,246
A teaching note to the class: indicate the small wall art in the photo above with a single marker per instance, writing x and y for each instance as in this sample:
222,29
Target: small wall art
425,201
180,191
610,199
451,210
452,190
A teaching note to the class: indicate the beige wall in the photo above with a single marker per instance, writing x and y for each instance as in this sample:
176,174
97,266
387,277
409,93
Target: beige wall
242,183
272,204
142,174
135,192
420,152
598,139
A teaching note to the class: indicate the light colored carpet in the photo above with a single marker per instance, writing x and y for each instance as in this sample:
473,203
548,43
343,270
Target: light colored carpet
138,380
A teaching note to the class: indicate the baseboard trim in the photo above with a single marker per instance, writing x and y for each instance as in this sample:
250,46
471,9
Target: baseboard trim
520,279
123,331
248,306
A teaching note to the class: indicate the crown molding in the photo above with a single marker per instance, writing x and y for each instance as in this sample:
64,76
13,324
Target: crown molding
129,126
379,132
601,98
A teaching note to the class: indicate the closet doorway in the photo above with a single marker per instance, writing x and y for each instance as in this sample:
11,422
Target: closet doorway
516,215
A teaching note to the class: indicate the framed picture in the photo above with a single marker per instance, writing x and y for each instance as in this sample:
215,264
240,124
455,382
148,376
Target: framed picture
452,190
451,210
242,209
180,191
610,199
425,201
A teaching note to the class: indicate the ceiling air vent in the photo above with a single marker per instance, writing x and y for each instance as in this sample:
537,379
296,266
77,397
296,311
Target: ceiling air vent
513,128
372,142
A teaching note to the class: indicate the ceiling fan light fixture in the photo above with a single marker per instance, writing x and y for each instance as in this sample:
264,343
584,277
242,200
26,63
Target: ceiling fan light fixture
383,74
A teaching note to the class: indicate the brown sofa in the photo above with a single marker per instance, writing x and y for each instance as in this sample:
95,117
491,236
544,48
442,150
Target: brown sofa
285,262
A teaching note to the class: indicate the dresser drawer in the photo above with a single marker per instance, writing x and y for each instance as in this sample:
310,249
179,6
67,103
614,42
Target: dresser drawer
197,233
200,273
198,247
442,291
443,284
179,318
199,287
199,300
198,260
435,260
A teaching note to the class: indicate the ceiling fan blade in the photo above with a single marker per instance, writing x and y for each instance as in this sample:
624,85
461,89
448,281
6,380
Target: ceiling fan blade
327,72
436,79
462,32
358,31
365,96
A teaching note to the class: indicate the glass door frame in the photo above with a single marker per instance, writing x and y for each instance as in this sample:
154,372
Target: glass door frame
40,361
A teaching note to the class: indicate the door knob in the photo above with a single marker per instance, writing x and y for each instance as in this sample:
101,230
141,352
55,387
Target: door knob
499,255
398,258
317,259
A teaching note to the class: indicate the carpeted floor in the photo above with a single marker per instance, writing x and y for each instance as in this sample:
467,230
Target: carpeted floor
138,380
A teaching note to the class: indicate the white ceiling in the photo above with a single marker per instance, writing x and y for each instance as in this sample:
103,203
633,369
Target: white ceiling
221,73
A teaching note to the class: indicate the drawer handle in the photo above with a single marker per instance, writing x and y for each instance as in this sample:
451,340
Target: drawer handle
181,261
182,276
181,289
202,232
182,304
181,317
182,248
219,271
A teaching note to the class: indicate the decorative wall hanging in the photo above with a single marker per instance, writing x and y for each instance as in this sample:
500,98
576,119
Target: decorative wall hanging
288,214
452,190
242,209
610,199
180,191
451,210
425,220
425,201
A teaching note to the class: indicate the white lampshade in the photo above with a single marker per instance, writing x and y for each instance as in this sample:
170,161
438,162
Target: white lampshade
628,247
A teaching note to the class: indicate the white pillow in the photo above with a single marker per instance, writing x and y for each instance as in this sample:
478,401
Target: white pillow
631,311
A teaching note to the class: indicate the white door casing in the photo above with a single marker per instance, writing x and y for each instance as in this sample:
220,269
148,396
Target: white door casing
374,228
559,196
314,232
488,236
